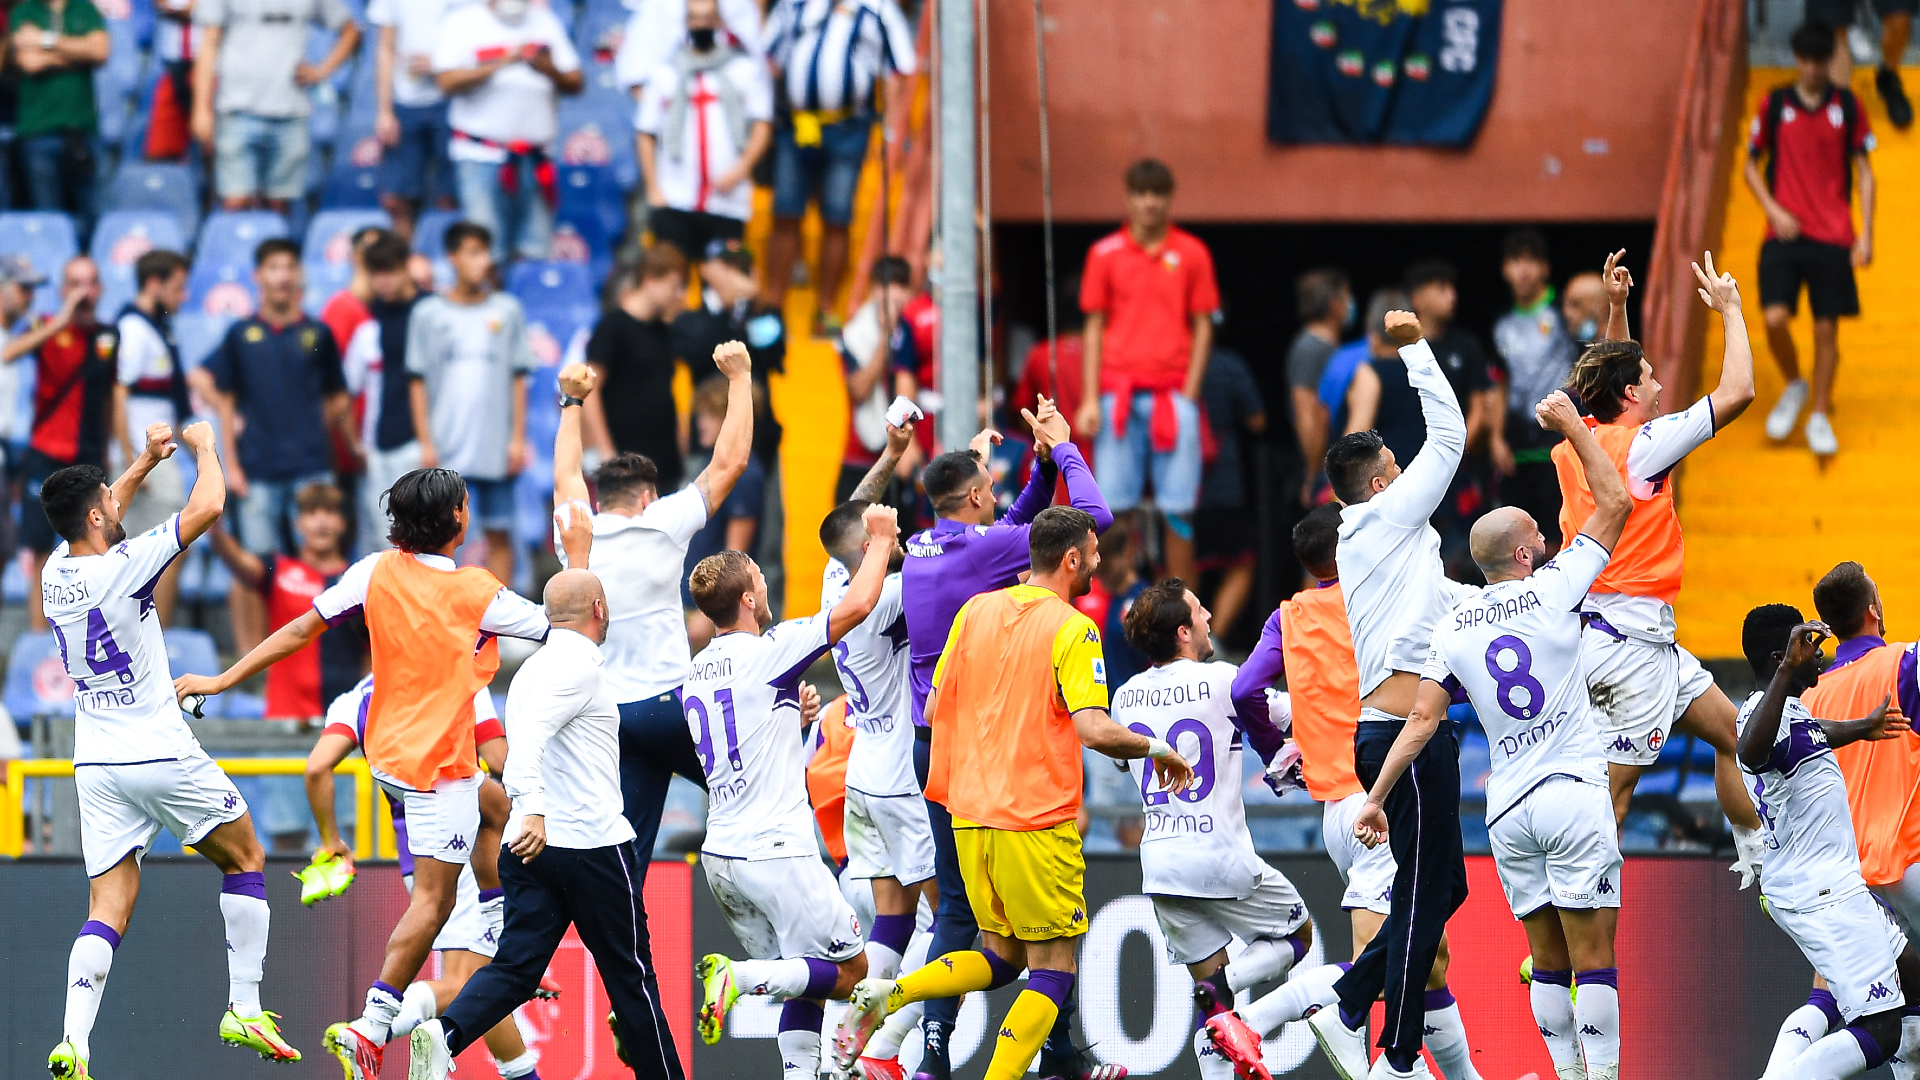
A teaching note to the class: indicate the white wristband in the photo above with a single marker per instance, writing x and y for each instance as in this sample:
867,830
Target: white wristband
1159,748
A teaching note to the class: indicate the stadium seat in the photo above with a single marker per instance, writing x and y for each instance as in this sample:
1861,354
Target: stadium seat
328,251
351,187
582,241
197,334
591,190
122,236
226,292
157,185
430,232
596,128
37,682
47,238
228,237
550,284
192,652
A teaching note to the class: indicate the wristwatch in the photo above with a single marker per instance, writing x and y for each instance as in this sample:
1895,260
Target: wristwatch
567,399
49,39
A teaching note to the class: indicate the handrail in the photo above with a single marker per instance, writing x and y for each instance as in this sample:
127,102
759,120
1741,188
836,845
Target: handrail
371,808
1693,194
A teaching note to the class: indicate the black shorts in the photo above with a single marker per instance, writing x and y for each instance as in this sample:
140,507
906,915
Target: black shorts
1826,269
692,230
1223,536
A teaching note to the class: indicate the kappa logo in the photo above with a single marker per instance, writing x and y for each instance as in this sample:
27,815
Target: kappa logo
1606,887
1006,1033
1548,1033
458,843
1079,917
1622,744
1878,991
490,938
948,961
1589,1029
232,800
1296,911
841,946
83,983
1431,1031
1802,1032
229,945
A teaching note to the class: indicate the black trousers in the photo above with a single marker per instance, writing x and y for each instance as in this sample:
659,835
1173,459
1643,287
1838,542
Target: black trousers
597,892
954,927
654,745
1423,829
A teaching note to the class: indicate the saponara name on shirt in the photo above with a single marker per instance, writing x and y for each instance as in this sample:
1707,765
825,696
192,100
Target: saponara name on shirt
1480,614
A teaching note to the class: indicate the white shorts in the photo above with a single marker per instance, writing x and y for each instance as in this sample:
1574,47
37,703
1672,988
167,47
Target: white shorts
1853,943
466,928
1556,848
1640,689
1368,872
443,823
123,807
888,836
1198,927
784,908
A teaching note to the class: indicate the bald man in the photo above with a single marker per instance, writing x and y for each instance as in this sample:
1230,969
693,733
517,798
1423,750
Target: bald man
569,858
1584,306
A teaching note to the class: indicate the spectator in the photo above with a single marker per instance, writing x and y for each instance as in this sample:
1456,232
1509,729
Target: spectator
1537,356
1325,304
1149,295
345,310
878,358
705,121
410,110
276,385
57,44
503,65
831,53
1896,29
1431,290
1060,377
1813,153
251,72
735,523
1583,309
151,388
420,272
1379,397
1225,527
176,42
632,352
375,368
658,27
468,356
730,310
72,395
18,278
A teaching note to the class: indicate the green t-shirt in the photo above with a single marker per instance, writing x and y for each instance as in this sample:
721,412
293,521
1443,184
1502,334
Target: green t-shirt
58,99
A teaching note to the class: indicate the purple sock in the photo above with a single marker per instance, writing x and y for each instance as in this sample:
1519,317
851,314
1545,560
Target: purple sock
1610,976
251,883
1869,1046
1345,965
491,894
1823,1000
1299,949
800,1015
1003,972
1056,985
821,975
892,931
1354,1021
1439,999
1553,978
100,930
378,985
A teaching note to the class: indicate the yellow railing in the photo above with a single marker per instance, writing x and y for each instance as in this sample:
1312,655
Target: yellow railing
367,842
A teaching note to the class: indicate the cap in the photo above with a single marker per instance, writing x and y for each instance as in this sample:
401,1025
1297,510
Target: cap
732,252
18,270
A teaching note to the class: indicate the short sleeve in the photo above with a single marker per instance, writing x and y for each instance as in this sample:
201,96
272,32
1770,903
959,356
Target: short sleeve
1863,140
221,363
1663,441
519,350
326,358
383,13
31,15
679,515
210,13
1758,134
451,50
486,719
509,614
565,57
332,14
421,339
650,119
791,647
362,351
756,89
1564,581
1436,668
1203,292
1079,665
896,38
84,18
747,498
347,597
146,556
1095,291
130,357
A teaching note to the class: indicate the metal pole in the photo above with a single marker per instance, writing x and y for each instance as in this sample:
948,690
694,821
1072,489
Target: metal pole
959,250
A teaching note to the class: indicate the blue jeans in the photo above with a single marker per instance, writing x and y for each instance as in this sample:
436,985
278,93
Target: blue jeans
829,172
62,175
260,156
521,223
266,515
1122,463
417,168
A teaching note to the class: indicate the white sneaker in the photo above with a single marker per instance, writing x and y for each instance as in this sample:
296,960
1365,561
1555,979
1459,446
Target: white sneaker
1571,1071
1820,438
427,1057
1345,1048
1747,846
1604,1072
1787,410
1384,1071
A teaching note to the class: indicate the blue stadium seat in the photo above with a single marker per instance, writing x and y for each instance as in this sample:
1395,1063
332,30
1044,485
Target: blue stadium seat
47,238
582,241
37,683
328,251
191,652
430,232
591,190
122,236
228,238
1476,762
226,292
351,187
157,185
596,128
197,334
551,284
319,43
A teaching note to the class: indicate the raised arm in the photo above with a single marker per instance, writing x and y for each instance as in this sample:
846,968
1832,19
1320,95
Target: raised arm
883,532
160,447
1429,709
1611,505
1411,499
1735,391
209,494
569,479
1619,283
874,484
734,445
1264,668
1799,667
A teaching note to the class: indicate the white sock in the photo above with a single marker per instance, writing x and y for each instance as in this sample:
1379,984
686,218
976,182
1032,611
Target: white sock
1309,989
772,978
87,967
376,1023
494,910
886,1042
882,962
247,918
1597,1011
417,1006
1213,1064
1802,1028
520,1066
1834,1057
1906,1063
1447,1042
1263,961
800,1052
1553,1015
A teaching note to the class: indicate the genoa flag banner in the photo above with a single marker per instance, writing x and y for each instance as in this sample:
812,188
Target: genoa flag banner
1409,72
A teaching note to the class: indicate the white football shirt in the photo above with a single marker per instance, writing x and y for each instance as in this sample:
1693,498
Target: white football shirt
1801,797
872,662
102,613
743,710
640,560
1196,841
1515,647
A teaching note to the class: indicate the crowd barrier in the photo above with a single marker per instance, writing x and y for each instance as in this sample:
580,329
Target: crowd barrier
1704,977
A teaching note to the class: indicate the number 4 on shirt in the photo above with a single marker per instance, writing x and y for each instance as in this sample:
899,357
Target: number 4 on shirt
103,657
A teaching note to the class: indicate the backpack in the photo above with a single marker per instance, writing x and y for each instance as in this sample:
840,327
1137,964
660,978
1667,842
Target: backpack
1777,102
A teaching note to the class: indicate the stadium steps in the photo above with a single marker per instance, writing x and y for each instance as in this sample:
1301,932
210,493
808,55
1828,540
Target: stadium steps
1764,521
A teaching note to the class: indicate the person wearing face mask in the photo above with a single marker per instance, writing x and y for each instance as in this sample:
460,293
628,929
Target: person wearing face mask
1583,307
705,121
731,309
503,66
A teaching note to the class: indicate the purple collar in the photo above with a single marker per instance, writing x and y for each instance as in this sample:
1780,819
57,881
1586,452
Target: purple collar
1327,584
948,526
1854,648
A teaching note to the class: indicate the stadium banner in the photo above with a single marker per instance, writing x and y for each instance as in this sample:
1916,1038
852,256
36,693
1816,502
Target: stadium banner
1705,978
1410,72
